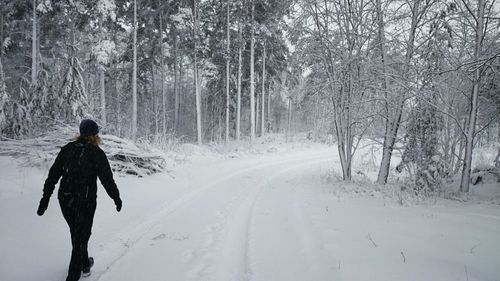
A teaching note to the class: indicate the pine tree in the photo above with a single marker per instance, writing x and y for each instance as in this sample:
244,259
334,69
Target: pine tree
43,99
21,122
73,95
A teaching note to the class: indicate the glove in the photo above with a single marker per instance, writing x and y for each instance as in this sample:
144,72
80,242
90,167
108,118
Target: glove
118,203
44,203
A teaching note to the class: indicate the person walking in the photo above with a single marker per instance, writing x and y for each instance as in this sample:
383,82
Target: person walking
80,163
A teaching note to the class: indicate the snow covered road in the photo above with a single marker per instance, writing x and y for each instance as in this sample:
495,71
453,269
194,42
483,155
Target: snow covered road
207,233
264,218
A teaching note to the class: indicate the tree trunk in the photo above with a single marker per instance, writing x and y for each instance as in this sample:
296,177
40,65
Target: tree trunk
181,89
103,98
393,121
257,112
1,30
238,97
118,99
289,125
176,83
134,76
196,74
33,46
118,109
252,78
227,75
387,150
155,97
268,122
262,115
162,81
471,126
498,132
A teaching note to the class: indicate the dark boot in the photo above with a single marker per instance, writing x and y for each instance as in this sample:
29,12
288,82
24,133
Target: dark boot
86,269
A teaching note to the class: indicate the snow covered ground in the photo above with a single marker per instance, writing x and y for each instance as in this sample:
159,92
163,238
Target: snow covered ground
266,217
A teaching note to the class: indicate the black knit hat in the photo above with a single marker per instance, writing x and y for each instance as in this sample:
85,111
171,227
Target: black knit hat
88,128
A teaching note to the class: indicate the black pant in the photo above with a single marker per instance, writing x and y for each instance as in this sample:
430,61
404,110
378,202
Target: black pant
79,214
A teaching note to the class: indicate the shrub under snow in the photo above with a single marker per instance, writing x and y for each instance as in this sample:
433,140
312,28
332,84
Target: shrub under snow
124,156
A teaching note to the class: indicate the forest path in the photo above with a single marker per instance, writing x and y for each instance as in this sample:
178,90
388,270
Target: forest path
208,233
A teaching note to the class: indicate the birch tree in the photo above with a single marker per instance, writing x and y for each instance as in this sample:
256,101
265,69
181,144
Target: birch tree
472,116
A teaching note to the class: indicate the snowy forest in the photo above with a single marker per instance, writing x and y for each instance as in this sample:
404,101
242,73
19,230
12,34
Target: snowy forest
417,76
401,97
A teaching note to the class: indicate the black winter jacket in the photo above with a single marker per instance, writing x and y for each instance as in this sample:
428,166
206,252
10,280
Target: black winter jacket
80,163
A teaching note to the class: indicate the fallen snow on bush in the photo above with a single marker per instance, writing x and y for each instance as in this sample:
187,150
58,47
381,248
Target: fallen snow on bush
125,156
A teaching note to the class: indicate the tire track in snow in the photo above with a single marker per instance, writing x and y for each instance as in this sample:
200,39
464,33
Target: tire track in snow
233,262
120,245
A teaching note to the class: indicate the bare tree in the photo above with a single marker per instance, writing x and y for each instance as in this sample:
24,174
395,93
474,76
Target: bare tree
340,37
471,124
394,110
387,153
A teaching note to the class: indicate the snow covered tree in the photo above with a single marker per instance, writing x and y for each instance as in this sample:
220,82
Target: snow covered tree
4,100
134,74
73,102
335,52
421,152
21,122
473,109
395,105
104,49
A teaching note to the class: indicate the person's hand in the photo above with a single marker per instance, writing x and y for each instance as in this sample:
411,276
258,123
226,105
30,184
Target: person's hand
44,203
118,203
